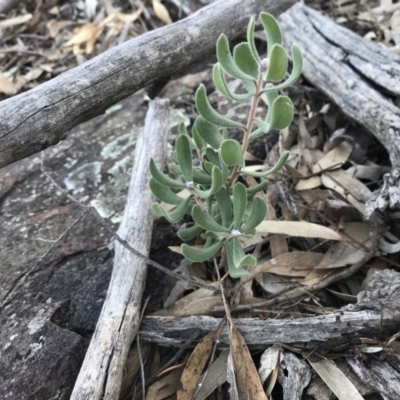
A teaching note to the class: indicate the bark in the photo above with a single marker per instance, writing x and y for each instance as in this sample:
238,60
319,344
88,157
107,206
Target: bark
357,74
101,373
41,117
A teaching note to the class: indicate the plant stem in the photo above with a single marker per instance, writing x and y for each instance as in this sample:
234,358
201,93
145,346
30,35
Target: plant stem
249,126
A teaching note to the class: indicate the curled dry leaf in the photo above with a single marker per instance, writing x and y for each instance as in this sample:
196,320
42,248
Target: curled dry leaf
248,381
194,367
166,386
270,359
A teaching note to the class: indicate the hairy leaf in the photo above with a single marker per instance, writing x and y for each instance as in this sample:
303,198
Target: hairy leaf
206,221
198,140
186,234
245,59
255,189
234,271
164,193
278,64
272,30
257,214
281,113
184,156
209,132
231,152
250,39
160,177
225,206
201,255
216,183
207,112
226,60
279,165
239,203
222,86
176,214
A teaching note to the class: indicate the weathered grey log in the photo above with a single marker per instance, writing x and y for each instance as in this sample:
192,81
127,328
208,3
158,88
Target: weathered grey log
7,5
101,373
349,69
258,333
376,313
32,121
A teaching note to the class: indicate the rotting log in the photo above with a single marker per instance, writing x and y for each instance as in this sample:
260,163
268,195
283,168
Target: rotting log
357,74
375,315
101,374
41,117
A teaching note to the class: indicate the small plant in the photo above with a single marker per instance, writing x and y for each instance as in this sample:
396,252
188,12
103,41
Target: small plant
210,165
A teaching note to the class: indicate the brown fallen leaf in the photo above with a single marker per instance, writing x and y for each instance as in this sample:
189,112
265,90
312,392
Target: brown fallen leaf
194,367
248,381
167,386
295,263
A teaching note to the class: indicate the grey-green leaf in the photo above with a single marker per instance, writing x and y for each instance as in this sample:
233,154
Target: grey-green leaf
226,60
222,86
281,113
250,39
272,30
206,221
239,204
297,58
165,180
245,60
225,206
184,155
207,112
231,152
209,132
239,257
205,254
257,214
257,188
279,165
198,140
164,193
186,234
234,271
216,184
278,64
176,214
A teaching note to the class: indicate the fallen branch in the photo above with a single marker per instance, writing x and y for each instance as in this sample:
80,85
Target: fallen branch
349,69
41,117
375,314
101,373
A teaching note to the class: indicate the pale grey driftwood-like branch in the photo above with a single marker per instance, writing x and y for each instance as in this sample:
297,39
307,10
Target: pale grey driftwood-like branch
41,117
350,70
101,373
258,333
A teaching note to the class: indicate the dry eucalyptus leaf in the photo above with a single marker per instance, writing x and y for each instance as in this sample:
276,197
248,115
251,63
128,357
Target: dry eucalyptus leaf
194,367
215,376
335,158
161,12
7,87
166,386
336,380
21,19
248,381
299,229
295,263
269,360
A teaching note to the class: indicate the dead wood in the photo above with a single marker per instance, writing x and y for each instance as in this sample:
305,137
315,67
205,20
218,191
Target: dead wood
39,118
357,74
101,373
375,315
7,5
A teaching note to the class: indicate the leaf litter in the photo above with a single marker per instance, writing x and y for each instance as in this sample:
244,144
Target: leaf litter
315,223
